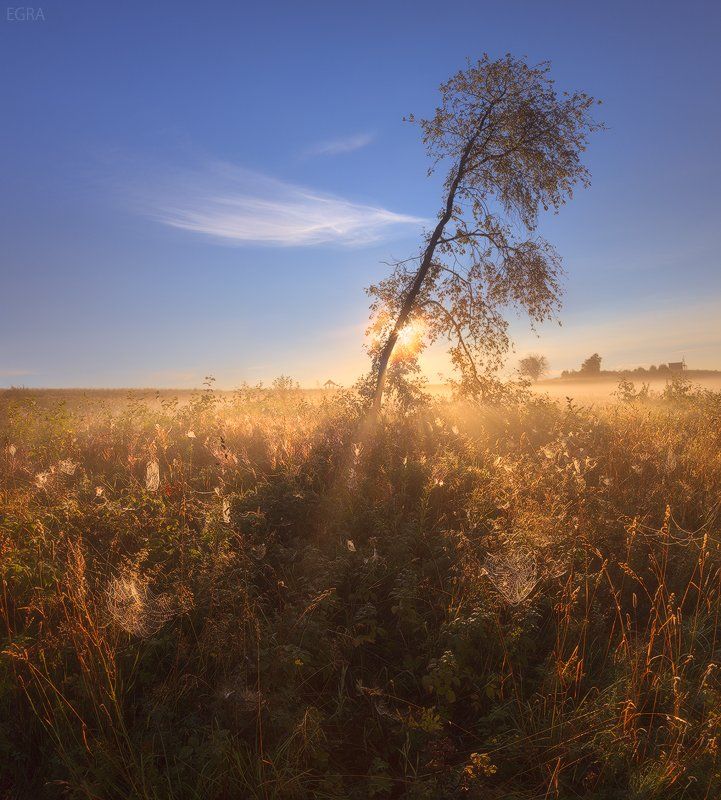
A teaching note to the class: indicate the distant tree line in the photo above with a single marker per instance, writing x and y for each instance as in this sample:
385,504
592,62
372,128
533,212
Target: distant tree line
592,366
534,367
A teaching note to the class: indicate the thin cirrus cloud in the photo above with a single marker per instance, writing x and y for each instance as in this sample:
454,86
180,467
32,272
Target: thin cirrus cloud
239,206
336,147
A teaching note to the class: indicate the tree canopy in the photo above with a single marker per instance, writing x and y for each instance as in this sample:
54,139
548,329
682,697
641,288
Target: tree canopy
512,146
592,365
533,366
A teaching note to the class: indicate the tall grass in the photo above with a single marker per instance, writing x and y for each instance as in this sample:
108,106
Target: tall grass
254,596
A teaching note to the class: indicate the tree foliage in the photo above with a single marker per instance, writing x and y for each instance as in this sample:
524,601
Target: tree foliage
592,365
533,366
513,147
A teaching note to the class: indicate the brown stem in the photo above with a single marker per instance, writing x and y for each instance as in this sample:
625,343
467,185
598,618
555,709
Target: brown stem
410,299
420,276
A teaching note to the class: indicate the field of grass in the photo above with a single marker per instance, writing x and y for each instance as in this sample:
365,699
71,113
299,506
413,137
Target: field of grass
257,595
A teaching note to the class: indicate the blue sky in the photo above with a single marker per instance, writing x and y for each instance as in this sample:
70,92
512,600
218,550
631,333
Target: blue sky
193,189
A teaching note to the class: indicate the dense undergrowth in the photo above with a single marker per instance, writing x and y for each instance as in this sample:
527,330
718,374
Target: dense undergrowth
259,597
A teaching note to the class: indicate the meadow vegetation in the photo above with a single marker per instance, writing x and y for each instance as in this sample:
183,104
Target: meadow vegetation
257,596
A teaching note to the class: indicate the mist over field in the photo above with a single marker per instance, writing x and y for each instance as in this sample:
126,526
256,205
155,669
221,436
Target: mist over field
605,388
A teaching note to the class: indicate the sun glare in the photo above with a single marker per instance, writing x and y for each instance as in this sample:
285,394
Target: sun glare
410,340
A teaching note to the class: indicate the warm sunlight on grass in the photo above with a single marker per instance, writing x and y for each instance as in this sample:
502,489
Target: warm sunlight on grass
242,595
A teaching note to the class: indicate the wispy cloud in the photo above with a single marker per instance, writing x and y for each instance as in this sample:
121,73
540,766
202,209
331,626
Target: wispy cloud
236,205
335,147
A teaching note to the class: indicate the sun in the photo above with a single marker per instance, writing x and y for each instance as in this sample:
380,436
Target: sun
410,339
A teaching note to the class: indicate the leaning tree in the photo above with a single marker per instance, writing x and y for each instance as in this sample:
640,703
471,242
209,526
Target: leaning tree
513,146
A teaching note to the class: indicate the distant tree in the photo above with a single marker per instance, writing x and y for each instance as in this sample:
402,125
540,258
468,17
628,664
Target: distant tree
592,365
533,366
653,368
514,147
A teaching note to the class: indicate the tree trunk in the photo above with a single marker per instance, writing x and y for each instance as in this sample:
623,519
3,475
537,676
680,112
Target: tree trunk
420,276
